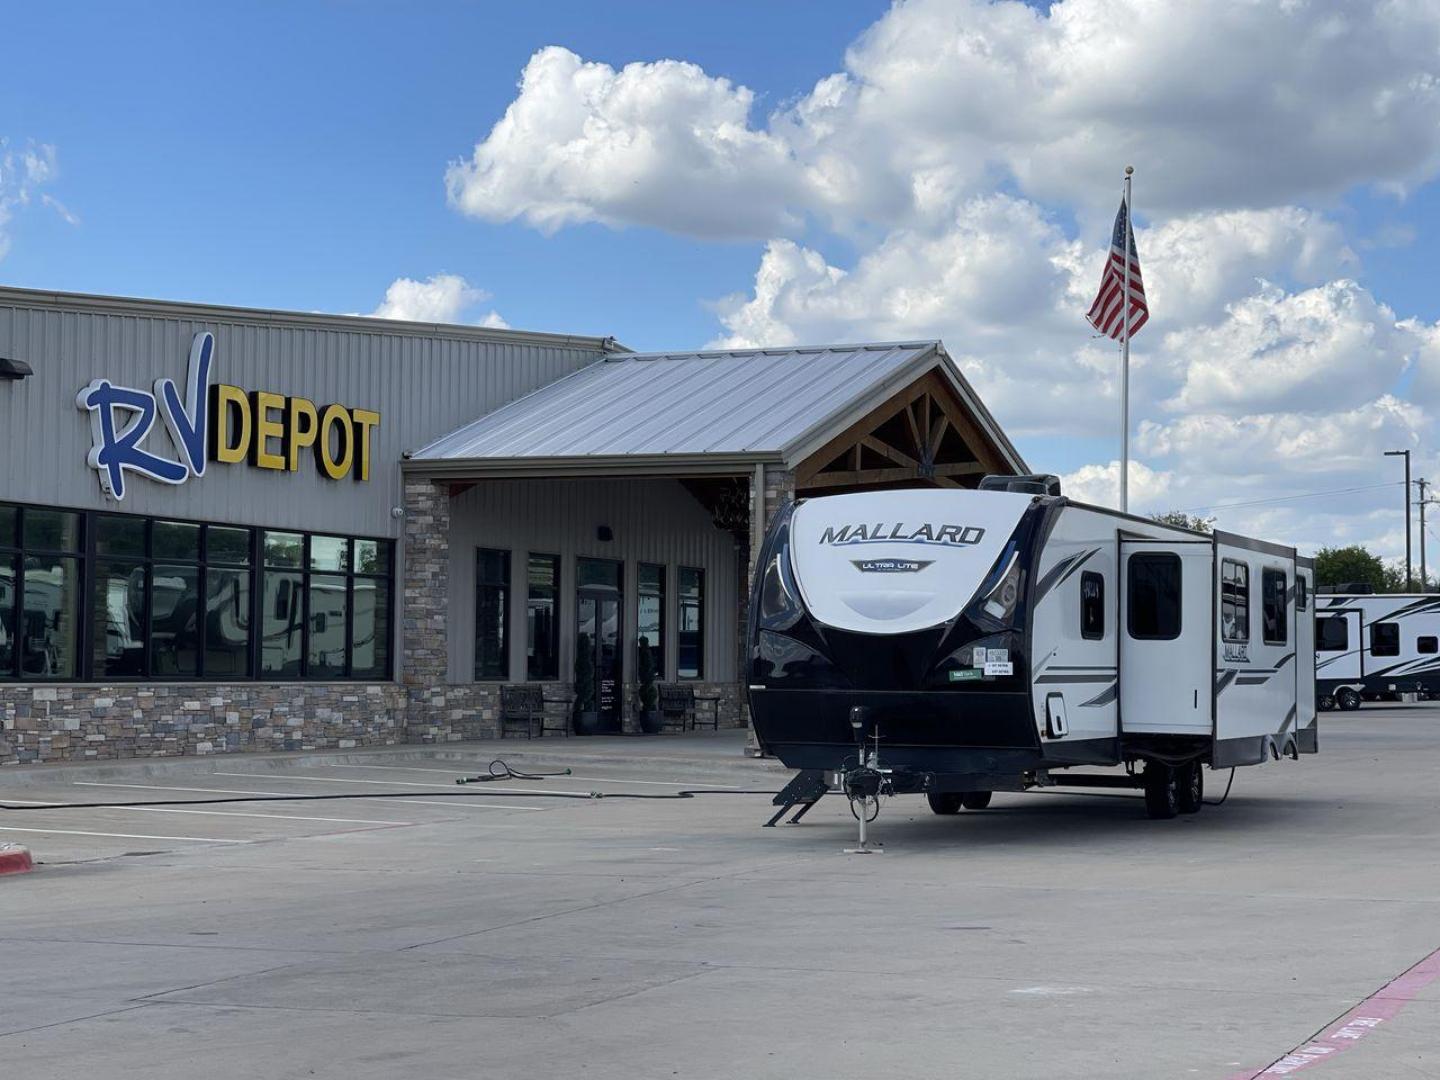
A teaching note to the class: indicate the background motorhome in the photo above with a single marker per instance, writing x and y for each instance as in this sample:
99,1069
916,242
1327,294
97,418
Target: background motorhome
1368,645
991,639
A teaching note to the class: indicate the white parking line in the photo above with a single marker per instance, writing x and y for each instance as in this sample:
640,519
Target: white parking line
126,835
395,783
457,802
587,779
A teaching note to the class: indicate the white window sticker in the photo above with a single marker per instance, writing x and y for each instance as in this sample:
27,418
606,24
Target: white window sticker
980,657
998,656
996,667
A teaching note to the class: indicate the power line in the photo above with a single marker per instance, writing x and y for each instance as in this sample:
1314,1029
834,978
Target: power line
1287,498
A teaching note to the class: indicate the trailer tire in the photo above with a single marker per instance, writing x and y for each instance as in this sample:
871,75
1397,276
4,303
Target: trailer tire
1162,791
1326,702
1191,793
975,800
1347,699
945,802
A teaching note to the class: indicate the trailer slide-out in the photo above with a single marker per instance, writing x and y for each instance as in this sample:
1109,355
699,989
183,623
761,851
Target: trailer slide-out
1367,645
954,643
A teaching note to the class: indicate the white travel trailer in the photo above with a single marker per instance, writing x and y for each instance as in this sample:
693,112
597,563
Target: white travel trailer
1367,644
974,641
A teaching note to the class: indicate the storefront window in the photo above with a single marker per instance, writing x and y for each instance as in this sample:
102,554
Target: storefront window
370,649
650,618
48,627
492,608
691,661
282,624
227,622
542,644
329,620
178,600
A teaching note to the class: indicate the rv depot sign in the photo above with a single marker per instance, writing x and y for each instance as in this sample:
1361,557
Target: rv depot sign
221,423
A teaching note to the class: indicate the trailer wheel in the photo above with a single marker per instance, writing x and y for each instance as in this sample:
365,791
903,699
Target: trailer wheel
1347,699
975,800
1326,702
1162,791
945,802
1191,788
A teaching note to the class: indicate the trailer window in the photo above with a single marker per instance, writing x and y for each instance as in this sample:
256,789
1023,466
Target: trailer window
1234,600
1427,644
1153,608
1332,634
1384,639
1302,594
1092,606
1272,607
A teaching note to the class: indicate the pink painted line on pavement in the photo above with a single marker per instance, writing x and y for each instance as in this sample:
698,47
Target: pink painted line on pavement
1352,1028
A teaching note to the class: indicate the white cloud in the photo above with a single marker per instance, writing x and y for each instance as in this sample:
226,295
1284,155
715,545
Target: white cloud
658,144
1225,104
441,298
1291,351
1100,485
22,174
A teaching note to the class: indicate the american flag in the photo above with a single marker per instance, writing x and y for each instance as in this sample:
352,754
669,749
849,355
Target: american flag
1107,313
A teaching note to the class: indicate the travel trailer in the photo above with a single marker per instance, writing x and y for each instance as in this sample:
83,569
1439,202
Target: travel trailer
958,642
1367,645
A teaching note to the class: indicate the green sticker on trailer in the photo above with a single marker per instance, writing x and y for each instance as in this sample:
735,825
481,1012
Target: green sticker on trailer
966,674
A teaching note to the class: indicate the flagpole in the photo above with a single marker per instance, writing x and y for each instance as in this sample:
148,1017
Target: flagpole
1125,361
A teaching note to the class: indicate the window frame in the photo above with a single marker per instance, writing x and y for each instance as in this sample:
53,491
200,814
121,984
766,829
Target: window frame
1146,557
641,591
681,602
18,552
555,587
1238,596
1086,577
1344,625
1420,644
89,560
505,588
1390,627
1268,574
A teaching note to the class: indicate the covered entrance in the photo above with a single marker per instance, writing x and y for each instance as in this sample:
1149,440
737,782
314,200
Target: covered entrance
627,502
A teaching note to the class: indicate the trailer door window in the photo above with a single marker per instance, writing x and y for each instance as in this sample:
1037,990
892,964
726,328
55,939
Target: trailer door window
1154,596
1092,606
1385,639
1302,593
1331,633
1234,600
1427,644
1272,607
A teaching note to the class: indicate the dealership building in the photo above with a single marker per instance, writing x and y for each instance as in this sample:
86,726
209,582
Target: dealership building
226,529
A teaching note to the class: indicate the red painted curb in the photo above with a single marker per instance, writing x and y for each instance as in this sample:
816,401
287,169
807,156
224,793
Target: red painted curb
15,859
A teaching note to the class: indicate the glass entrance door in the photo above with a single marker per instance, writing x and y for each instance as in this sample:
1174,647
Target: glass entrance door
598,634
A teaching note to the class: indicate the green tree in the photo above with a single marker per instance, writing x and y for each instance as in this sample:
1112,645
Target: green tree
1184,521
1354,564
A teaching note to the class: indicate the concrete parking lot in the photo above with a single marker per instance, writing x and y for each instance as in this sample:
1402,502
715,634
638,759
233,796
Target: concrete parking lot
405,933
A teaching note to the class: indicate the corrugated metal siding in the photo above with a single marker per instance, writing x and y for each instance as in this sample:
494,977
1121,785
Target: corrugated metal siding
423,386
739,402
654,521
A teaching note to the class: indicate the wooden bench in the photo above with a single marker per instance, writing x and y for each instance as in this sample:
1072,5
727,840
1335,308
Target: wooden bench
677,707
522,707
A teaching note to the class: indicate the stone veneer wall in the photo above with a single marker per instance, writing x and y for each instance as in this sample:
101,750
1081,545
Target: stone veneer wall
75,723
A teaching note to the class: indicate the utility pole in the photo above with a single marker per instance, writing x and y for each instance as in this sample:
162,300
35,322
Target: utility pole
1424,575
1409,571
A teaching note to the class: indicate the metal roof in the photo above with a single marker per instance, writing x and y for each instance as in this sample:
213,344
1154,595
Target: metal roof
731,406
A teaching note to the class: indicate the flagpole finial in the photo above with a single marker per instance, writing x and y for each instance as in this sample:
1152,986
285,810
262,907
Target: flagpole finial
1129,170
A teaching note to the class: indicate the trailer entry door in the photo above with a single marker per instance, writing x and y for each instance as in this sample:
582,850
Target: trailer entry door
1338,645
1166,635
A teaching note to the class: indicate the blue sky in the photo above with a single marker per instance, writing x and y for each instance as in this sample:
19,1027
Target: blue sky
292,155
954,175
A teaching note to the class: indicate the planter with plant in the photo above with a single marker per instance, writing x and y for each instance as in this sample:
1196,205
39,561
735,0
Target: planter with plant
650,720
586,719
